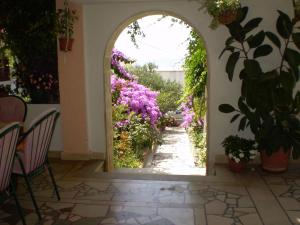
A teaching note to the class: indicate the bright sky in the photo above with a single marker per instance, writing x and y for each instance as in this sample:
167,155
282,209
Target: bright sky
165,43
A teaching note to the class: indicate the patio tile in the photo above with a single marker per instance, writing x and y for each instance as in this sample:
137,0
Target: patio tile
178,216
294,216
90,210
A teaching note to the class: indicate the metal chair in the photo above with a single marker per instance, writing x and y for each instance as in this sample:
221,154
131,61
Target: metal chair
32,159
8,141
12,109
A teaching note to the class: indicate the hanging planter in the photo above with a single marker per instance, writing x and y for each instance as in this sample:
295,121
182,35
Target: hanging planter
65,19
223,11
276,162
65,44
227,17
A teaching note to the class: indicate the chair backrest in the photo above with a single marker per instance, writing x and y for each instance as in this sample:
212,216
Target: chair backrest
8,141
38,139
12,109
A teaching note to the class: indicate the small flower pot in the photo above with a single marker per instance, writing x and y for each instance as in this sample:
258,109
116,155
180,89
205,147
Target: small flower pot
65,44
277,162
227,17
237,167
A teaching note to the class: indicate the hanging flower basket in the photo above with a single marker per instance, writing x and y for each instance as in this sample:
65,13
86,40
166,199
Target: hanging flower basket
66,44
276,162
227,17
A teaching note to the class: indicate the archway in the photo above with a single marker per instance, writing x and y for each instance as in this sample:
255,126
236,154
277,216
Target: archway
107,84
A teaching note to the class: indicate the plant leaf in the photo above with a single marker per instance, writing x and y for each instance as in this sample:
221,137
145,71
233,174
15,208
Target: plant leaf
237,31
263,50
288,80
242,14
227,48
252,68
226,108
292,57
234,118
284,25
252,24
296,39
274,39
242,125
231,63
256,40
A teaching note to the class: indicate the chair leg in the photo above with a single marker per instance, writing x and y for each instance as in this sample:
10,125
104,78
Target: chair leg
13,192
32,196
53,181
29,188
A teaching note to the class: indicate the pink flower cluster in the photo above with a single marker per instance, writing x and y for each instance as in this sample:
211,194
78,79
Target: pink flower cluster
137,97
188,113
117,61
44,82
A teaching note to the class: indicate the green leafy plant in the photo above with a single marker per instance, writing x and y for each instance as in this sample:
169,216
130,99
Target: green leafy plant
268,103
296,5
239,149
221,8
65,19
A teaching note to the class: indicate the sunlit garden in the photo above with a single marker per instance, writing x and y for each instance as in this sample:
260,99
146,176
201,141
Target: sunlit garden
144,104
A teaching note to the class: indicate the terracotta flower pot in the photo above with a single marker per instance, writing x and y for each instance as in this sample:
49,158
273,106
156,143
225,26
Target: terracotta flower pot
227,17
236,167
277,162
65,44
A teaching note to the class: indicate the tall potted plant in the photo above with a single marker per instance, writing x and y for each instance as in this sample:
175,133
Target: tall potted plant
65,19
222,11
269,103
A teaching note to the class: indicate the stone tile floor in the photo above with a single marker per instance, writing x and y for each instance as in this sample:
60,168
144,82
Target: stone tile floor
252,198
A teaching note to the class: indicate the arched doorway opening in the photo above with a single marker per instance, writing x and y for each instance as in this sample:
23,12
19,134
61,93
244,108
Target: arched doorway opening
107,83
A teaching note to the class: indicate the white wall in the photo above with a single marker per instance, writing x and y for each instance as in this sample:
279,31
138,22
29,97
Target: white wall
34,110
103,21
172,75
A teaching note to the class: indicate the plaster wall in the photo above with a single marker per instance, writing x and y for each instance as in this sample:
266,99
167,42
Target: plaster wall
104,20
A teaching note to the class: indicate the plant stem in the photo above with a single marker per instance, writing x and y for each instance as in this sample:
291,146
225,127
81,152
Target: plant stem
244,50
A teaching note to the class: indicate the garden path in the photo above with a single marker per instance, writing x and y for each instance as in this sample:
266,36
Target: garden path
175,155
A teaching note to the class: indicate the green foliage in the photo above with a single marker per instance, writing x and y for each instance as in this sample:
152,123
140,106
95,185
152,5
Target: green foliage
170,91
29,34
268,103
195,67
134,30
142,134
199,141
65,19
132,139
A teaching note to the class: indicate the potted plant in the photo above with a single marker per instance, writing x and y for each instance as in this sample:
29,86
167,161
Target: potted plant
65,19
222,11
239,152
268,104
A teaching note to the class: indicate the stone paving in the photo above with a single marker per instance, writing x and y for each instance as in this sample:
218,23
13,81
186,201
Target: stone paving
252,198
175,155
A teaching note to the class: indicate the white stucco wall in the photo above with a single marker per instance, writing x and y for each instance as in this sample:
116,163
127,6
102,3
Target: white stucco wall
34,110
103,21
